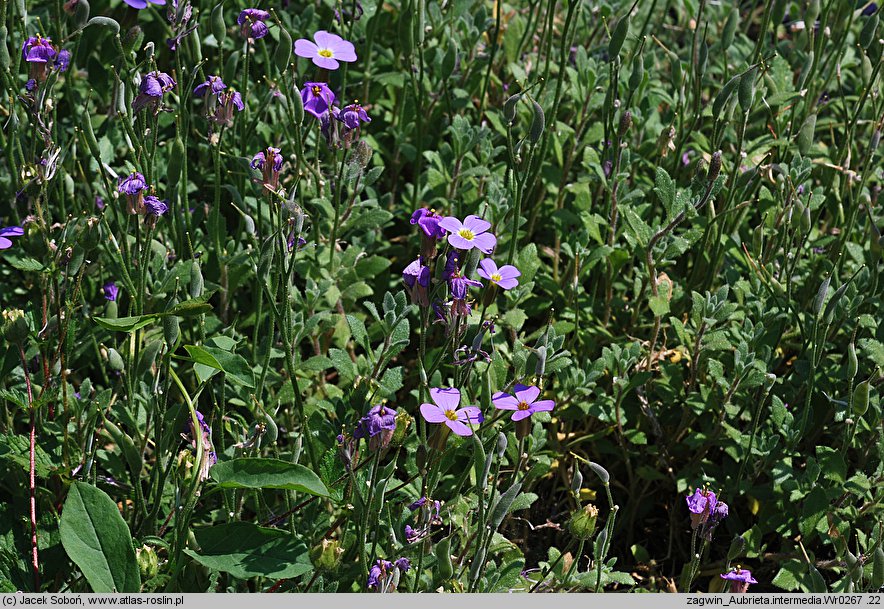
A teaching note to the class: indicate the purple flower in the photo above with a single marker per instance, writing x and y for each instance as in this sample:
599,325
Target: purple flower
31,84
131,184
155,206
459,284
403,564
428,220
270,170
317,98
150,91
99,202
706,511
110,291
209,456
213,83
445,410
251,22
352,116
37,49
378,571
327,51
417,504
867,12
142,4
452,266
7,232
378,426
470,233
417,278
739,579
63,60
524,403
504,276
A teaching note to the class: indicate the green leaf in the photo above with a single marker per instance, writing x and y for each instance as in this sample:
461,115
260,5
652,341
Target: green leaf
267,473
97,539
28,265
659,305
126,324
246,550
194,306
231,364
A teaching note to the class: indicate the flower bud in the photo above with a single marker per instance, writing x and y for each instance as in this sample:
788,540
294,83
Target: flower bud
115,360
501,444
625,123
583,522
714,167
148,563
15,326
326,555
403,422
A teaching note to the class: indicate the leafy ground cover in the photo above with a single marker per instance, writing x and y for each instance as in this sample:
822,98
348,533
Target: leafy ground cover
471,295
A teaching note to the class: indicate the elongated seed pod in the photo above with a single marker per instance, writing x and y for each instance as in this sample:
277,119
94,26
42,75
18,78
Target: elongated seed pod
115,360
442,551
601,472
817,583
805,134
852,361
810,16
878,568
509,107
724,96
196,280
105,22
805,71
5,59
821,294
219,28
618,38
638,71
730,27
866,70
702,58
283,50
576,481
861,398
478,459
503,504
176,163
867,35
746,92
478,564
778,12
406,29
538,124
271,430
738,544
81,13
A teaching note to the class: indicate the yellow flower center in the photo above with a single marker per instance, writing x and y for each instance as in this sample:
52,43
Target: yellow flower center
466,234
523,406
452,416
496,277
316,91
325,53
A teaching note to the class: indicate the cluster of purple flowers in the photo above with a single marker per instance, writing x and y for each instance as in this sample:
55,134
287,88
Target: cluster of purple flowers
269,162
221,100
377,427
384,575
133,188
251,23
706,511
427,514
43,56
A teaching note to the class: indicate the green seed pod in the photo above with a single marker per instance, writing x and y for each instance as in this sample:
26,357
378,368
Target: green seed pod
283,50
478,563
677,70
133,39
219,28
5,59
625,123
810,16
730,27
110,310
576,481
866,70
723,96
115,360
821,294
601,472
297,105
89,135
758,240
805,134
538,124
772,88
421,21
406,29
702,58
503,505
449,60
271,430
176,163
867,35
231,67
583,522
638,71
878,568
805,70
442,551
196,280
81,13
105,22
618,38
778,12
804,223
509,108
833,302
860,400
171,330
196,48
746,92
601,543
817,583
852,361
501,444
738,544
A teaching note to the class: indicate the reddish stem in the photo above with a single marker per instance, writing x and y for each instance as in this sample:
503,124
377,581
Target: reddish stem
35,560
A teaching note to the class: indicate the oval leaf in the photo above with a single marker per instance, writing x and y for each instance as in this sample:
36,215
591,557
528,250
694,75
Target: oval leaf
267,473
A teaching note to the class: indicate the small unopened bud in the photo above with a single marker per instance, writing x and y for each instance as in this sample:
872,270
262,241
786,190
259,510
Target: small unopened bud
714,167
115,360
583,522
576,481
148,563
15,326
326,555
501,444
625,123
403,422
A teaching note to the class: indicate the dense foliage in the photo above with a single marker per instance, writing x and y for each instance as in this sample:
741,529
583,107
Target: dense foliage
578,296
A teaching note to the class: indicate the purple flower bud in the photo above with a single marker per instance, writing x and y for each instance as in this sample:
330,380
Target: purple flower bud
251,22
110,291
37,49
155,206
353,115
378,426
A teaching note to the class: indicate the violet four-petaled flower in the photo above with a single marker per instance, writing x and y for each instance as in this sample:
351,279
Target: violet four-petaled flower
251,22
469,234
317,98
378,426
739,579
417,279
352,116
524,402
445,410
327,50
505,276
110,291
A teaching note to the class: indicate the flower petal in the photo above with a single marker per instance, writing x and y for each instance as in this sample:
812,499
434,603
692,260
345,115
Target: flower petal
326,40
5,243
485,242
459,428
527,394
489,266
504,401
451,224
521,414
433,414
306,48
327,63
507,284
343,50
447,398
459,242
12,231
508,271
470,414
543,406
476,224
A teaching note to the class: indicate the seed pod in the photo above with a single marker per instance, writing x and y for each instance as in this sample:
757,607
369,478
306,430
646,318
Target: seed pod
501,444
576,481
196,48
196,280
702,58
442,551
421,21
866,70
746,92
478,564
833,302
219,28
176,163
509,108
878,568
852,361
538,124
601,543
758,239
89,134
133,39
231,67
81,13
478,458
406,29
714,167
860,400
618,38
625,123
805,221
638,71
867,35
486,471
449,60
778,12
297,106
120,100
724,96
601,472
115,360
821,294
810,16
105,22
283,50
5,59
271,430
677,70
503,504
738,544
805,134
730,28
817,583
171,330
